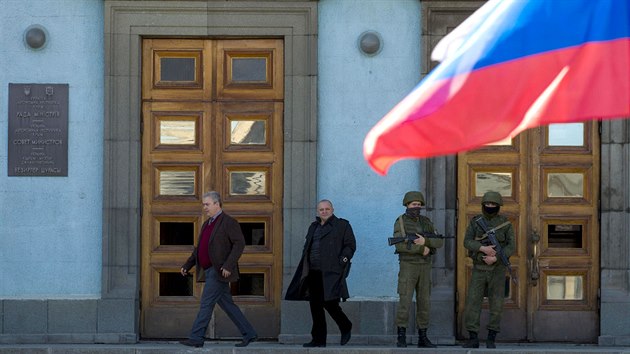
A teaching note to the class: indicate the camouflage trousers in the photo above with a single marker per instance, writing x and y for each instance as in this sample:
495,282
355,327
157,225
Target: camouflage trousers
414,277
494,280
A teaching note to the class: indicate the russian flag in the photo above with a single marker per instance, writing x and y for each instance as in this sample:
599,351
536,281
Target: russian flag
512,65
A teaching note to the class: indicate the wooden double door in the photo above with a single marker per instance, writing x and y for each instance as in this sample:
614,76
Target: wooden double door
549,180
212,114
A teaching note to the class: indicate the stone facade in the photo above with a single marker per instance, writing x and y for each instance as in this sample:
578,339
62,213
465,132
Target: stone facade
114,318
615,227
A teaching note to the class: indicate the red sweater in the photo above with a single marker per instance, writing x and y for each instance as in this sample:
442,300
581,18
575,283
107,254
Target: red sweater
203,253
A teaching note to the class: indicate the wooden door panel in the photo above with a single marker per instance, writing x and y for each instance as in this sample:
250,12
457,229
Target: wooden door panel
250,69
175,69
197,138
570,323
551,198
479,171
175,320
567,254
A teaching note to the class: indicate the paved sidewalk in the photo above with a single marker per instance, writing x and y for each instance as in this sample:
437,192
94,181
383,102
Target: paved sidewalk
276,348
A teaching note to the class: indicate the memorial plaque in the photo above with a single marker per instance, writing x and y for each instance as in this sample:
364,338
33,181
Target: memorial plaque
38,130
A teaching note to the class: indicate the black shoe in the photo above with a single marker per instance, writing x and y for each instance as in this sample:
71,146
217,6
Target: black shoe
423,340
426,343
246,341
471,343
401,339
473,340
345,337
492,335
190,343
313,344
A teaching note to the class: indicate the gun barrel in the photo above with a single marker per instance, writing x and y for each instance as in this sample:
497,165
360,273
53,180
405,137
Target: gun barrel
434,235
394,240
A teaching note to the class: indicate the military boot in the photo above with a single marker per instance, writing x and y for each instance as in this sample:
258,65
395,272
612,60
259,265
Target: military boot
423,341
402,337
473,340
492,335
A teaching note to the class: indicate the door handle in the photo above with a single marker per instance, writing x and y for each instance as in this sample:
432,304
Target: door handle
534,269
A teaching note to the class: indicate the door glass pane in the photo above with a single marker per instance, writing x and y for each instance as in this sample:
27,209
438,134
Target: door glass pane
568,134
254,233
249,69
174,284
493,181
249,284
565,185
177,69
177,182
177,132
564,236
564,287
249,132
248,183
177,233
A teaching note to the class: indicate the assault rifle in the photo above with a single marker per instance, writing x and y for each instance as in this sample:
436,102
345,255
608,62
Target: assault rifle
492,240
409,238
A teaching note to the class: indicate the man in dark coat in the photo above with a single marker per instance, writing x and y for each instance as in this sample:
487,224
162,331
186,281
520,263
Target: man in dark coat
321,275
221,244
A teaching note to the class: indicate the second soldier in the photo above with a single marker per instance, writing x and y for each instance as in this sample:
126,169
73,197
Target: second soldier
415,268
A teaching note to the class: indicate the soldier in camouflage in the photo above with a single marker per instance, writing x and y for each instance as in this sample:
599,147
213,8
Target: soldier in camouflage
488,272
415,268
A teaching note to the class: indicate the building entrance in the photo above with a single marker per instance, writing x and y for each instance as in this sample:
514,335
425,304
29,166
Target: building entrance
212,115
549,180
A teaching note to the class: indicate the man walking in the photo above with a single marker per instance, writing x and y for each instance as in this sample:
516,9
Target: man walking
221,244
321,275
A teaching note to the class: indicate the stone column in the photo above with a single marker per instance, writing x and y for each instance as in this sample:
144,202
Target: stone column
615,231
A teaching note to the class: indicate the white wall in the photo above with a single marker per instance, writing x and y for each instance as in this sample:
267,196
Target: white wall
355,91
50,227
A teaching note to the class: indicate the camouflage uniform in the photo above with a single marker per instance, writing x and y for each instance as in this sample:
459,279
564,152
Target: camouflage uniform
483,275
415,268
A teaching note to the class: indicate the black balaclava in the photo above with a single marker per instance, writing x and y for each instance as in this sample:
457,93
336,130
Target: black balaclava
491,211
413,212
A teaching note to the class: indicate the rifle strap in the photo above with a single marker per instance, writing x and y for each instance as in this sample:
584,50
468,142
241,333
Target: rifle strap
402,226
484,226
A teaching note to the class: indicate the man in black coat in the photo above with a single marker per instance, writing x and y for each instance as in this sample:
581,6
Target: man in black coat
321,275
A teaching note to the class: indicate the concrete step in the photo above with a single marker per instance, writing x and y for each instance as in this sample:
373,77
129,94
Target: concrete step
276,348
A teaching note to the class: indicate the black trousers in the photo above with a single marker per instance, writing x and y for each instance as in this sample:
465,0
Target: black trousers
317,304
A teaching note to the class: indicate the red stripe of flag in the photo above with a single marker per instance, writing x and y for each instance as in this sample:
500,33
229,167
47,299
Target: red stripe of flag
468,110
